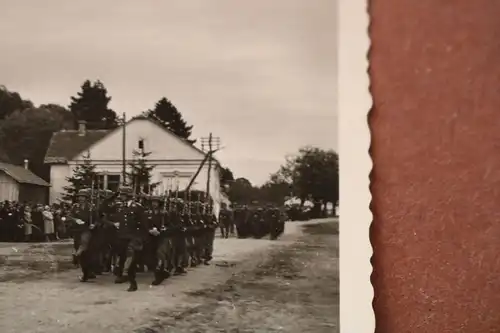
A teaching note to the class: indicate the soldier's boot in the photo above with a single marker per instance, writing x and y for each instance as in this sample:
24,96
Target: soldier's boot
132,286
74,260
180,270
116,270
131,274
170,267
85,273
160,276
121,279
207,260
193,260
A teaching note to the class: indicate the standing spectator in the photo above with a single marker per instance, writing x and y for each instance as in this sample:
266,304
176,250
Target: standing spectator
48,224
37,218
28,226
59,224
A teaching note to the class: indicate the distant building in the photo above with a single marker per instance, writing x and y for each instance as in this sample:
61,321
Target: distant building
17,183
176,161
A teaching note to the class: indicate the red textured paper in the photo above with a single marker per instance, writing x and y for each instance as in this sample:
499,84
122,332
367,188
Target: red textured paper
435,72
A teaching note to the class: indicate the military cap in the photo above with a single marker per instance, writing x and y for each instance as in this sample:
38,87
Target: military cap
126,190
84,192
105,193
155,198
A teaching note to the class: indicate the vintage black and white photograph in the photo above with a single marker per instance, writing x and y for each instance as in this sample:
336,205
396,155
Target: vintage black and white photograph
169,166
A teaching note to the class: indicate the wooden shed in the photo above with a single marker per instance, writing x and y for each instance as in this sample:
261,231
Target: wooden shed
17,183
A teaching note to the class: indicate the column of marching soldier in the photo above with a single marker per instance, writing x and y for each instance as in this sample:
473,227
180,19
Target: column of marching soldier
124,234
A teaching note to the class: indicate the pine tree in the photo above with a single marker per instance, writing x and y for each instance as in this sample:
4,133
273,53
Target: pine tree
141,173
84,176
168,115
91,105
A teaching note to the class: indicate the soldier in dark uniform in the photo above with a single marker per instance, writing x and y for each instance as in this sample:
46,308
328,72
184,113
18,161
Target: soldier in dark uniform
225,221
105,230
283,219
190,231
130,236
274,222
254,222
153,218
157,248
83,218
211,224
238,218
180,257
198,233
243,225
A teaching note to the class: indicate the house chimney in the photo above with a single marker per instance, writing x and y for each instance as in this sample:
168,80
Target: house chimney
26,163
81,127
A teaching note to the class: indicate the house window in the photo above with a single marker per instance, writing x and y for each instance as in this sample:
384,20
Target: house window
101,182
113,182
108,181
141,144
175,180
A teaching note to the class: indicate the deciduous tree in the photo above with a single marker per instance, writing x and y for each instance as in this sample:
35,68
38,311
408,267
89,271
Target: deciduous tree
26,135
313,173
226,179
242,191
11,101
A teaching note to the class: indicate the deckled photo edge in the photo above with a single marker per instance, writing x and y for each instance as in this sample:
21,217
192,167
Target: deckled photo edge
355,101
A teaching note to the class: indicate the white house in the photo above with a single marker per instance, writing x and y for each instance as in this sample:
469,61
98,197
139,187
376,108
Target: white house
176,161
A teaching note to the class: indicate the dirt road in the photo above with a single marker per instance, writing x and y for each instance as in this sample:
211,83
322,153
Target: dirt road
289,285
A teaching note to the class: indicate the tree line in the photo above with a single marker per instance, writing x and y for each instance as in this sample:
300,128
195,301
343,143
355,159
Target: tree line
312,174
26,129
25,132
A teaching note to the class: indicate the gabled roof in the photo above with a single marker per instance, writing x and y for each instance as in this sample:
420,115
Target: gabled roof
22,175
157,122
67,144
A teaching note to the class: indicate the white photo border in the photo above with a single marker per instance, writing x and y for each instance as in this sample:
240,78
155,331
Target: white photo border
355,102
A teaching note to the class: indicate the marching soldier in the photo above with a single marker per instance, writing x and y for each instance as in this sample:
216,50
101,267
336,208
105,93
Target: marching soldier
274,222
211,224
180,249
242,216
105,231
256,222
226,221
130,234
83,216
190,231
198,227
158,252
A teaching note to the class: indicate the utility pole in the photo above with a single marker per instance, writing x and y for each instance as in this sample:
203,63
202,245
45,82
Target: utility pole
209,162
124,153
210,141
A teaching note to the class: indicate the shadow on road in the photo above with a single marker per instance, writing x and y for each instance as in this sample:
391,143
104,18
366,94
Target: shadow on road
296,289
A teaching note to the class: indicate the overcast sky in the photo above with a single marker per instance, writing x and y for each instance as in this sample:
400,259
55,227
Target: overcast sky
259,74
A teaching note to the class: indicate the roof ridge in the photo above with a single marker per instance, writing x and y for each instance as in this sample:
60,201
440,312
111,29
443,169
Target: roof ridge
21,174
87,130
